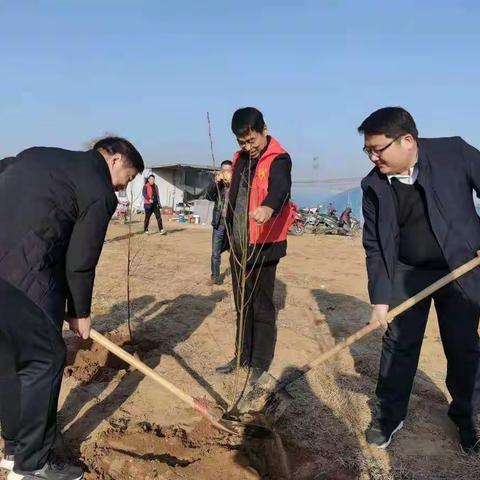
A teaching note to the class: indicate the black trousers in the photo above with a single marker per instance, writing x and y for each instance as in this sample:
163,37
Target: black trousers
458,322
259,329
32,357
149,211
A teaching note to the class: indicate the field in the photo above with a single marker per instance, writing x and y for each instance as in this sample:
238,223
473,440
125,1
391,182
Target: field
124,426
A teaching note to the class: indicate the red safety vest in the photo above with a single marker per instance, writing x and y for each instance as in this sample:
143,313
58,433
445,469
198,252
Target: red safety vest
276,229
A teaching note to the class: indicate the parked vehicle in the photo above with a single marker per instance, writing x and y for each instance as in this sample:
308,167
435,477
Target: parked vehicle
121,212
316,220
298,225
347,230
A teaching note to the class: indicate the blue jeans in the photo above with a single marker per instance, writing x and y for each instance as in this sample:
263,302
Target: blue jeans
218,235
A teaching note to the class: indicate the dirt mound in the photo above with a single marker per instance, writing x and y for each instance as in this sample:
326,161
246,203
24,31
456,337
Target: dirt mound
89,362
149,451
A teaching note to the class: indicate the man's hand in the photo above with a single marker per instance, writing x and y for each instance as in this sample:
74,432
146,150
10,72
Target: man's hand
379,315
81,326
261,214
218,177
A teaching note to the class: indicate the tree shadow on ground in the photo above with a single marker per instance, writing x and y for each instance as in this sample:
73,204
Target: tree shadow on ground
123,237
309,441
119,238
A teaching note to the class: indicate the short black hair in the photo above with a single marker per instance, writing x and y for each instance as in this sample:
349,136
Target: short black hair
389,121
114,145
246,119
226,162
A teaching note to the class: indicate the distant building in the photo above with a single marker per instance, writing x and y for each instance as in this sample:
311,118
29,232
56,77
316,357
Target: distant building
176,184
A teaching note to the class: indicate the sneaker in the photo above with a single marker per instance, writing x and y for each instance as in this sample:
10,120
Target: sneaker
469,439
146,232
7,462
255,374
210,282
50,471
163,232
381,432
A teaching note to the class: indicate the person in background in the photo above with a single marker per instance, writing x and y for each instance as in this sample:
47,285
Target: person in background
331,210
48,256
151,204
218,192
345,220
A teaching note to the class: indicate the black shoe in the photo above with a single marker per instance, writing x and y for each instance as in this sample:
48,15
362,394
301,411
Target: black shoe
229,367
381,432
7,462
469,439
52,470
255,374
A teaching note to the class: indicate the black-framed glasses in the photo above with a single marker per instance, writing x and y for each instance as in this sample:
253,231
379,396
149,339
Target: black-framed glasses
379,151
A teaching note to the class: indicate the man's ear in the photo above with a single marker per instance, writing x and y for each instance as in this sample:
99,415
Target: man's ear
116,158
409,140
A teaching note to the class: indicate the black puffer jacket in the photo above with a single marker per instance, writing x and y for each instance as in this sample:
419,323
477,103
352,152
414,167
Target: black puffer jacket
56,205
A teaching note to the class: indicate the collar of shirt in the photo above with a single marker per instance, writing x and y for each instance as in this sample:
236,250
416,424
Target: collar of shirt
409,179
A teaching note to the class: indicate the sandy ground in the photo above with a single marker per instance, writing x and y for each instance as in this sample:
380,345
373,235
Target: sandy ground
124,426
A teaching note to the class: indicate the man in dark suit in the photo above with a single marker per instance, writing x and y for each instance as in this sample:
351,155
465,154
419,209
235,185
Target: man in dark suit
218,192
420,223
56,205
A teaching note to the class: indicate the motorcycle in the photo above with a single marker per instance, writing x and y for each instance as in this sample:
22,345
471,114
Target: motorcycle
298,225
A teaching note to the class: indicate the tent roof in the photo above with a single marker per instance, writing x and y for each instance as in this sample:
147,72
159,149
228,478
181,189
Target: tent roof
182,165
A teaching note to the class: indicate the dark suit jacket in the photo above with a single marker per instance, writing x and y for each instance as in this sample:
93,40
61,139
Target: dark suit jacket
55,209
449,172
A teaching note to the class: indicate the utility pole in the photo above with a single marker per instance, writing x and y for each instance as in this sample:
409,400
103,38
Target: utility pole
315,168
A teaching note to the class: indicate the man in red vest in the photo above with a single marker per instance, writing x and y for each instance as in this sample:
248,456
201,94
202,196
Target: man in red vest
151,204
259,216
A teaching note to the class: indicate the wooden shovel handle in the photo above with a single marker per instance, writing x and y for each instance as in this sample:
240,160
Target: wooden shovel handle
453,275
140,366
194,403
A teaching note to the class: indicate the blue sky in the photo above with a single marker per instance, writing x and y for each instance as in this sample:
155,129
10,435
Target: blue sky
150,70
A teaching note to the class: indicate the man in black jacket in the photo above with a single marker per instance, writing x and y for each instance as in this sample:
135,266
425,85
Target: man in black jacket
259,215
420,223
56,205
218,192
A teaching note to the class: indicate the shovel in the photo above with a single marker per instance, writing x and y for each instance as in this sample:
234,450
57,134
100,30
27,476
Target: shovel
228,426
274,394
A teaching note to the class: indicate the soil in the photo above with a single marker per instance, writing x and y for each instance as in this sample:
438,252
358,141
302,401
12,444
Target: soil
124,426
